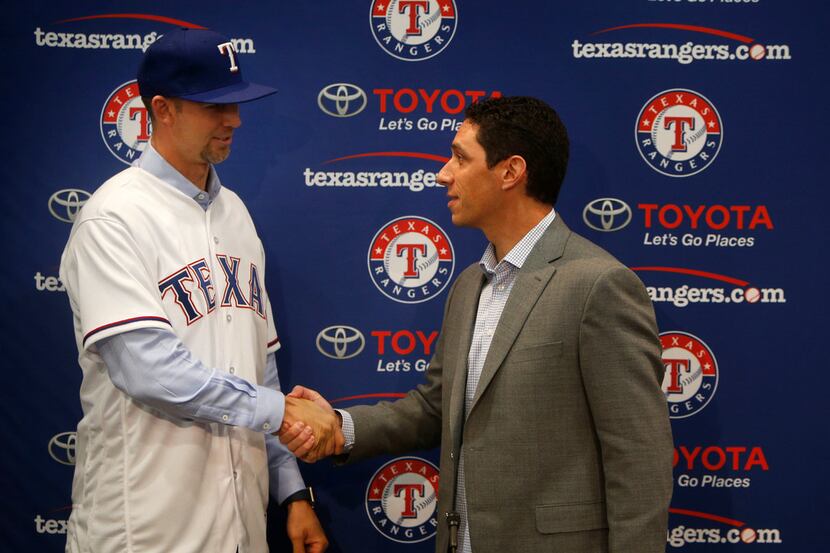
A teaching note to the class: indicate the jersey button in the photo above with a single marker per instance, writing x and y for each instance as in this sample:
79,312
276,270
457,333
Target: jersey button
232,370
215,239
225,418
228,317
266,426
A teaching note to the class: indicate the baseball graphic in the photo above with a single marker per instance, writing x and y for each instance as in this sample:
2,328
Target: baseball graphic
413,31
395,262
691,376
399,24
125,123
421,494
757,52
678,132
411,259
752,295
748,535
402,499
664,133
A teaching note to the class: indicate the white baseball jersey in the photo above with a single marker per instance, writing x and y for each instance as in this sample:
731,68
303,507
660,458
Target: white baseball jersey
143,254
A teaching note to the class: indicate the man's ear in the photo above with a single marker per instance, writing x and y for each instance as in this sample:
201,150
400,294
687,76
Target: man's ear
513,172
164,110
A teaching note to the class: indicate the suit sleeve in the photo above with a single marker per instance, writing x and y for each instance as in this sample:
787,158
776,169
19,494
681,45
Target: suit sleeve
410,423
620,360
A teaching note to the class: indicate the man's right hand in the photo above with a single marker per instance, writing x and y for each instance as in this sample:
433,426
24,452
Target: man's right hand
304,409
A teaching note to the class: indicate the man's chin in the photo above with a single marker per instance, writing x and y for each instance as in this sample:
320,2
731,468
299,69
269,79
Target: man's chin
216,156
459,220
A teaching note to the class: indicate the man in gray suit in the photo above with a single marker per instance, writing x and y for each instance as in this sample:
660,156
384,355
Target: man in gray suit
544,390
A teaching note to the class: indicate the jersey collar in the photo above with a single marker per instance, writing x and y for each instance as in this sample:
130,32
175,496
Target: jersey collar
152,162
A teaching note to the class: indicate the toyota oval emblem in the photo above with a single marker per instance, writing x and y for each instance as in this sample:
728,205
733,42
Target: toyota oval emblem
607,214
64,205
342,100
340,342
62,448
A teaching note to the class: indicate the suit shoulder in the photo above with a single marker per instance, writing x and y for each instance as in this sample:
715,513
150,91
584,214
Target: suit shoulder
593,264
579,247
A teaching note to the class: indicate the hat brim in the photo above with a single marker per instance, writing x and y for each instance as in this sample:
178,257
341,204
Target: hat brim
234,94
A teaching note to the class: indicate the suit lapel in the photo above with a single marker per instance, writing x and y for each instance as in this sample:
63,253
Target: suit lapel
467,296
532,279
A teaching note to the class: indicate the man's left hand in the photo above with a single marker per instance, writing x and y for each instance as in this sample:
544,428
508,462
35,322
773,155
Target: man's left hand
304,529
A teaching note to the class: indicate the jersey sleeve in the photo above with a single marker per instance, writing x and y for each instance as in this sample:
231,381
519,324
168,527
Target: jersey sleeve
108,282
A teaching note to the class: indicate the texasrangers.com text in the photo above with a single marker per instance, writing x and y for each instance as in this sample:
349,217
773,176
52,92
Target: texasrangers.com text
681,535
682,53
415,181
681,296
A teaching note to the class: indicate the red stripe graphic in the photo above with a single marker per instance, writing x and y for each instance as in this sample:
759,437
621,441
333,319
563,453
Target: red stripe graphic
693,28
707,516
368,396
431,157
148,17
704,274
119,323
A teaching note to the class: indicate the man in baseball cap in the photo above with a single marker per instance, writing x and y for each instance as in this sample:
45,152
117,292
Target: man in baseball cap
166,279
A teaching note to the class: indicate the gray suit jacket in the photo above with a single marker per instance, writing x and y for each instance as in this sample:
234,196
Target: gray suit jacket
567,445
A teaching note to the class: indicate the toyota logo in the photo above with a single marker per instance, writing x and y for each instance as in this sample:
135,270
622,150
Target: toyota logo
607,214
62,448
342,100
340,342
64,205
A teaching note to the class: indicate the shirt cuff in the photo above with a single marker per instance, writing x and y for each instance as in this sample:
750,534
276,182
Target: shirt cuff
348,430
270,408
284,474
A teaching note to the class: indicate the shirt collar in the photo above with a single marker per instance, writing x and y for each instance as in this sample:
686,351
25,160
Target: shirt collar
518,253
152,162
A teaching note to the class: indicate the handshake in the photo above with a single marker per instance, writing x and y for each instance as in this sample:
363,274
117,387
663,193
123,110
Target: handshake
311,429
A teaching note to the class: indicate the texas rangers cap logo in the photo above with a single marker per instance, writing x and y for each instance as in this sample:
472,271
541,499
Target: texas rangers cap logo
402,499
413,30
678,132
125,123
411,259
691,376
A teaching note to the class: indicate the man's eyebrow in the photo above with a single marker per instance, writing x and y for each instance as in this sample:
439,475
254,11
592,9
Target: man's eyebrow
456,147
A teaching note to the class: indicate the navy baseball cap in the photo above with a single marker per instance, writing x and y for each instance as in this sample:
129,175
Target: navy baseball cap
198,65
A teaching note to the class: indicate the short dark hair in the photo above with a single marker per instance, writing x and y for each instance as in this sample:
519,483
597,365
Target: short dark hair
528,127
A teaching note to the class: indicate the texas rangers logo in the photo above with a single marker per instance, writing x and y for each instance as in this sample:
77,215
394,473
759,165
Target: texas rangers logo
402,498
411,259
679,133
691,377
125,123
413,30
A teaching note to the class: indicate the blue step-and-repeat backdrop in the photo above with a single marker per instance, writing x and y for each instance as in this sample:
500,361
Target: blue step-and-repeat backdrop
698,131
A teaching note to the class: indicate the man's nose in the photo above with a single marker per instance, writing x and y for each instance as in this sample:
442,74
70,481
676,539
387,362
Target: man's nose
444,176
232,118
